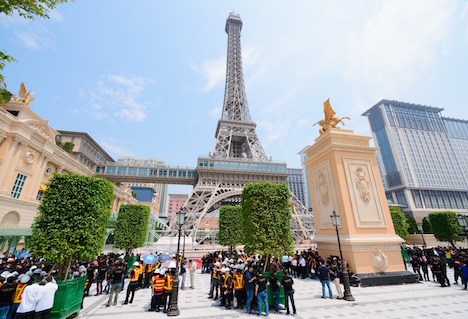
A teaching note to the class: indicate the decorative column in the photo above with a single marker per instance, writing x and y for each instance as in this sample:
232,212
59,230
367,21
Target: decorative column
343,174
9,165
37,177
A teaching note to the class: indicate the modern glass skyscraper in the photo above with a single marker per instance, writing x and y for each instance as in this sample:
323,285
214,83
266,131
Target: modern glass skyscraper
295,183
422,157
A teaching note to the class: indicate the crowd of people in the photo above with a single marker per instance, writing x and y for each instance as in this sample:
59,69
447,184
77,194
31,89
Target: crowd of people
436,260
27,289
27,286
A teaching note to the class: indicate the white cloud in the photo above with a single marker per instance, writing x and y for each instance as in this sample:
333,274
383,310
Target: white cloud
33,34
114,149
36,39
396,46
214,70
215,112
117,96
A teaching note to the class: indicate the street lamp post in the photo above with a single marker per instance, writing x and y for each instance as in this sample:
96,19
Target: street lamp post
174,311
421,231
462,222
184,229
347,287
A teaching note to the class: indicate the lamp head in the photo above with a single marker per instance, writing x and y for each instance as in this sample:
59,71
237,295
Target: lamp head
335,219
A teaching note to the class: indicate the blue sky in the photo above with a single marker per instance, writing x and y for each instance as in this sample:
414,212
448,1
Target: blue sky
147,79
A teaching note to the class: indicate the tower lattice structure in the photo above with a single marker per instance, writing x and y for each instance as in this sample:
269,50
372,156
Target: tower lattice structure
238,157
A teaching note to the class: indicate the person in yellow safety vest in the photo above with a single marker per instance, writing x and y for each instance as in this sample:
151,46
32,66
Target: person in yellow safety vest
214,285
17,296
222,287
148,275
228,285
133,275
157,283
167,290
141,277
239,288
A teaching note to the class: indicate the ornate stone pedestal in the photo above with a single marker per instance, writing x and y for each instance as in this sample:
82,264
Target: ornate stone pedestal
344,177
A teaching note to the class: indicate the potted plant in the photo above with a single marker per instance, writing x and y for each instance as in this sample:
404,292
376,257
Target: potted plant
70,226
266,216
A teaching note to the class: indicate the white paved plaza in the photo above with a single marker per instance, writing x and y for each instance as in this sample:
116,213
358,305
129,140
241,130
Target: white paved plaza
421,300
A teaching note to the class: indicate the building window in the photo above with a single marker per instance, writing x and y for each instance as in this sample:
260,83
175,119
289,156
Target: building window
18,186
401,198
39,195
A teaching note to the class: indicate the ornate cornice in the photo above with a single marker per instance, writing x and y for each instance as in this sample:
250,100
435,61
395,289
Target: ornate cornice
41,127
3,136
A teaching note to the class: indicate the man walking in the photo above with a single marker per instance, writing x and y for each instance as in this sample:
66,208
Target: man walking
249,287
287,282
183,272
275,288
45,303
132,286
192,269
324,276
260,292
214,285
116,276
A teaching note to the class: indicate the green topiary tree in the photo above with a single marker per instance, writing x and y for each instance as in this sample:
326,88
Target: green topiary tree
230,226
412,225
445,226
72,220
132,226
399,222
267,220
427,227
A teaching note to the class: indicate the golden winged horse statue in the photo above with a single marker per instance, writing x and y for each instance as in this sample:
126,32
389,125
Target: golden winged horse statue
330,121
23,96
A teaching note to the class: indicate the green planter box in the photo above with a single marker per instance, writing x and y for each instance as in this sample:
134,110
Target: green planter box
404,253
130,261
270,294
68,298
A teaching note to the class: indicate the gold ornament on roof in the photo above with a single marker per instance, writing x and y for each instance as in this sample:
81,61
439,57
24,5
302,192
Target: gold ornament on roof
330,121
23,96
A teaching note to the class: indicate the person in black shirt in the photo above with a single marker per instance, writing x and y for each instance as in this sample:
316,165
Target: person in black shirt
116,275
275,288
100,277
7,290
90,274
287,282
260,292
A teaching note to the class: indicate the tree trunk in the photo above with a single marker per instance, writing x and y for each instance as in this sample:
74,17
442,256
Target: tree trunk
267,263
61,272
52,269
68,269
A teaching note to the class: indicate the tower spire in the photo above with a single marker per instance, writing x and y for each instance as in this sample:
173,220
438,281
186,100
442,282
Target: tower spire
235,134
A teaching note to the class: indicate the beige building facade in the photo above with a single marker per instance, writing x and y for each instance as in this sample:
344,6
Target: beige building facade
29,155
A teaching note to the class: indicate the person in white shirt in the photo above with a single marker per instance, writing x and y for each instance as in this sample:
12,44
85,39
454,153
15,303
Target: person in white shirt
193,267
29,299
302,264
45,303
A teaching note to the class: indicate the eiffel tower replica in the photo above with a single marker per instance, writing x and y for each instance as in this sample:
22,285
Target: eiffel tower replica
238,157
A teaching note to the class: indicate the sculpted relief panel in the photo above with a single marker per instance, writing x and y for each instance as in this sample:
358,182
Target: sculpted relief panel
324,194
365,200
